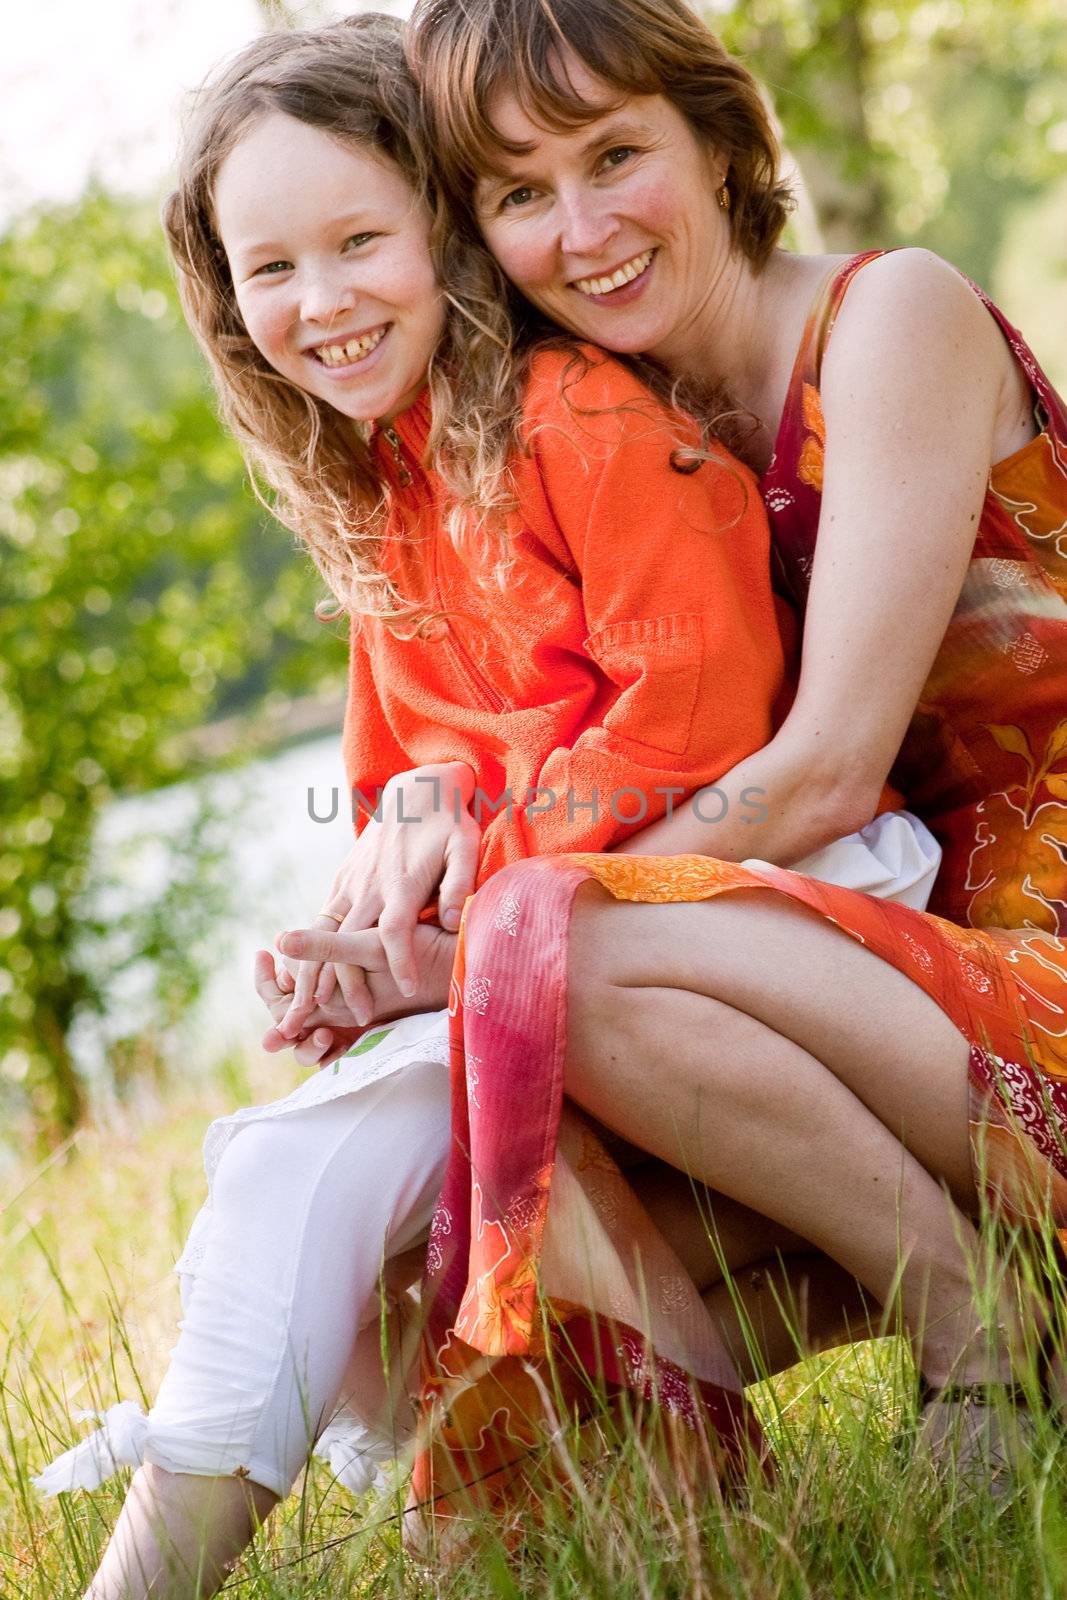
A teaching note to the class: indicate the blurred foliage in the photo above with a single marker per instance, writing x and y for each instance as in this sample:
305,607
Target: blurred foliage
143,591
932,122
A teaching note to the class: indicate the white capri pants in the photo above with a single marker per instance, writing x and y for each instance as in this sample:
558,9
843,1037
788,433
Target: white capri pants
307,1203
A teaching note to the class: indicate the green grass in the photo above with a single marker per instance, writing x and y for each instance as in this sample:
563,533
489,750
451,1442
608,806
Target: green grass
87,1316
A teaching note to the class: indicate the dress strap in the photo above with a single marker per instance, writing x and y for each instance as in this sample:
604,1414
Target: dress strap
822,314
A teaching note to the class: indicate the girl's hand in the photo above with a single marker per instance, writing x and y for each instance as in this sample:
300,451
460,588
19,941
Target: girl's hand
426,844
331,1028
317,1046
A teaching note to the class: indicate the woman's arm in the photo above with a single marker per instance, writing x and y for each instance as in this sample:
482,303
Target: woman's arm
911,386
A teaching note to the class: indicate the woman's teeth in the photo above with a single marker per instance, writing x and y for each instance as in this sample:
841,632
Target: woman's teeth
626,274
342,355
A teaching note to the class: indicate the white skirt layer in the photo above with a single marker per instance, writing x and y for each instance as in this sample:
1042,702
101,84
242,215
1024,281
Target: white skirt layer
895,857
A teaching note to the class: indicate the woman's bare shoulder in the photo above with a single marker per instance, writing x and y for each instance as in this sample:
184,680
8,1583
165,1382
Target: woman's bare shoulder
911,296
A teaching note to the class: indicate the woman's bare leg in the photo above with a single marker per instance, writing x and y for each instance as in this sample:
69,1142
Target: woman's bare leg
177,1535
756,1047
783,1300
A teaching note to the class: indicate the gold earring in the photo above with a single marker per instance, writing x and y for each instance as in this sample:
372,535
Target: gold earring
724,197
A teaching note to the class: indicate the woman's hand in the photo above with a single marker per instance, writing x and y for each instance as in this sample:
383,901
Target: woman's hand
425,845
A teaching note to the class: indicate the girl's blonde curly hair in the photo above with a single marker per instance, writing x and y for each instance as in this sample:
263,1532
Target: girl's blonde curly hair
311,466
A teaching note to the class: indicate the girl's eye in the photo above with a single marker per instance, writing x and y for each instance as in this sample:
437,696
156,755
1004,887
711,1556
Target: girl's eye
360,238
517,197
270,268
617,156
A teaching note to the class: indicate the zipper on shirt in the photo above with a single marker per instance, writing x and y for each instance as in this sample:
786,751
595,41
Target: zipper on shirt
403,472
478,685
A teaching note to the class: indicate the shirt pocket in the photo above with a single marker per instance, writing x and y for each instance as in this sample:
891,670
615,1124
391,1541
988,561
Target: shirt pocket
654,664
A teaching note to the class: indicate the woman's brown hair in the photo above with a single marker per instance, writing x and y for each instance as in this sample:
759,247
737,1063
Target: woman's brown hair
465,52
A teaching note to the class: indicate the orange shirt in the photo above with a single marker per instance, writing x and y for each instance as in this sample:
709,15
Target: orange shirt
633,655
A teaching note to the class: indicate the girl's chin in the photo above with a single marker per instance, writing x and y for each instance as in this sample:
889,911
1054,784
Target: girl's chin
374,403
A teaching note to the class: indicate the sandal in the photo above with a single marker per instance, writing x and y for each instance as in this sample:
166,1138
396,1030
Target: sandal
976,1436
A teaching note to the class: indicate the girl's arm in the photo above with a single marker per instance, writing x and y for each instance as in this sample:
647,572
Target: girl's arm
911,386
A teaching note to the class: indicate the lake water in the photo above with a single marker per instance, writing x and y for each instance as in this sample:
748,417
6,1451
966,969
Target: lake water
279,862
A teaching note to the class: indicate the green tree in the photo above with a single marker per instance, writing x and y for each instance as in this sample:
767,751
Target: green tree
143,591
916,121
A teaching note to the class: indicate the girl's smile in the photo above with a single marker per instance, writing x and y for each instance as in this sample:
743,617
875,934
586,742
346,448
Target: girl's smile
328,248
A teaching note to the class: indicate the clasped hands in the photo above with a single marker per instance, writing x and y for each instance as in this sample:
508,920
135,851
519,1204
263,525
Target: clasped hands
367,958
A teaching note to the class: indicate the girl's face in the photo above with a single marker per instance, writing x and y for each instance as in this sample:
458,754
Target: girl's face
611,229
328,248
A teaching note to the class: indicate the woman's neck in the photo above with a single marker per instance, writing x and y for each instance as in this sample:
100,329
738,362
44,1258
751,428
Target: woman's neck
743,337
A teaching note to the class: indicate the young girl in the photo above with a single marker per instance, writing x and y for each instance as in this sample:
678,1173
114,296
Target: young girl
304,246
592,633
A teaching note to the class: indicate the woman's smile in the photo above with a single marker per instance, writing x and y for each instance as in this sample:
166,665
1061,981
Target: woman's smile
616,215
619,285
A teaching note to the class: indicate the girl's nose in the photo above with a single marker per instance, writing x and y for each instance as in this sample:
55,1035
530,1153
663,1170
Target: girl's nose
323,299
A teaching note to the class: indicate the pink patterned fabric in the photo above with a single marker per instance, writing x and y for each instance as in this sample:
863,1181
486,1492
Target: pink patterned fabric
583,1296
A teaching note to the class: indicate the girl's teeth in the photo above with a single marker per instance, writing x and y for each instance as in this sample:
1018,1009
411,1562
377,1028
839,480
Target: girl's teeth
340,355
633,269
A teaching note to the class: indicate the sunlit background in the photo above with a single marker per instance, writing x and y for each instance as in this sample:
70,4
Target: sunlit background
167,699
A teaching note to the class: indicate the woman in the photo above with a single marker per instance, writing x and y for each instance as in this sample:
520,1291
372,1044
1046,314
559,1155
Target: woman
621,168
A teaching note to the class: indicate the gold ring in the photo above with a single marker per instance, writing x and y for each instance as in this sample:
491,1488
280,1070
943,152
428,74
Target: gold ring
332,917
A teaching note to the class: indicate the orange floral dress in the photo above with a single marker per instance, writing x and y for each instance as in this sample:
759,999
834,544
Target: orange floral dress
984,763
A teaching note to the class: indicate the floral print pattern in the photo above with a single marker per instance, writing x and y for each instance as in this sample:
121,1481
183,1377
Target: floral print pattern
984,763
536,1305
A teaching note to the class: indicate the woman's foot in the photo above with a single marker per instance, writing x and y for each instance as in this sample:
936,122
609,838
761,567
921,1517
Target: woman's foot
977,1438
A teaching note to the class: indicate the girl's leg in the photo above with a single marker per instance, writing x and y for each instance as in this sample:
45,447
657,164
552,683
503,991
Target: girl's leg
178,1535
305,1209
763,1051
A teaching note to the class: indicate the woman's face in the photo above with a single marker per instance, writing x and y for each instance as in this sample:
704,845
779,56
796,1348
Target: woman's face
611,229
328,247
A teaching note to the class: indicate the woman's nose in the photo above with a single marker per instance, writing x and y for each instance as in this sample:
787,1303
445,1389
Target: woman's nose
587,226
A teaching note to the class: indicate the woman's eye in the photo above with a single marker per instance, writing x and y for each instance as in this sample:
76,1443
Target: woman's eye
517,197
617,156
